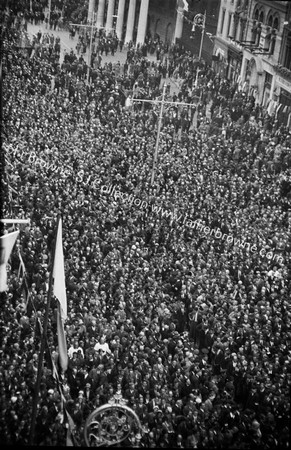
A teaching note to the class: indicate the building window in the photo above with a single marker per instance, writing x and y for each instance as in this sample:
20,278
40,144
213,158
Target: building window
272,44
242,29
222,21
248,71
276,24
229,24
268,80
235,26
287,59
273,22
270,38
270,41
259,32
256,33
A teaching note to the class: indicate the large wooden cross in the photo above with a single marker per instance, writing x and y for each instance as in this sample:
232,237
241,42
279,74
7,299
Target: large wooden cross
162,102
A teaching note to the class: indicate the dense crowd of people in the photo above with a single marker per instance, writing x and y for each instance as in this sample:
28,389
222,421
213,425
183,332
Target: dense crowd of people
194,330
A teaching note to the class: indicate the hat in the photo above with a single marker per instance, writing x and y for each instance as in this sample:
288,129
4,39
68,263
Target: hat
255,425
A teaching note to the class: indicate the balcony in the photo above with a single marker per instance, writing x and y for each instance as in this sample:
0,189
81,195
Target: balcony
283,71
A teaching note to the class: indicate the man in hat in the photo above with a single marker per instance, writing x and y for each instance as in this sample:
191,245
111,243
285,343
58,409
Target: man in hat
195,319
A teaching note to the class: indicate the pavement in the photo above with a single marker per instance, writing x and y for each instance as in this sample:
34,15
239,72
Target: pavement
68,44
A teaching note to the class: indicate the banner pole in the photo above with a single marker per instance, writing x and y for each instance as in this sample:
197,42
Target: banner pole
42,348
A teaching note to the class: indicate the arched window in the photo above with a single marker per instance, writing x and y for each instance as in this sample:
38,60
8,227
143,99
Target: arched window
270,21
256,14
276,23
268,38
261,17
258,35
254,31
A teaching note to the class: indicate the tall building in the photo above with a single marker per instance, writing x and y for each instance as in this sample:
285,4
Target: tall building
128,18
228,53
167,20
253,47
132,20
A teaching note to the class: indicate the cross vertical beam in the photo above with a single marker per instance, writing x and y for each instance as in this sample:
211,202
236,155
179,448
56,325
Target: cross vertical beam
158,134
163,102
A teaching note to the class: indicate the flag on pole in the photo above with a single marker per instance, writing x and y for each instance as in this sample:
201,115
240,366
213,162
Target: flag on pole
28,303
62,343
6,245
70,424
186,6
59,289
183,4
22,269
47,353
50,362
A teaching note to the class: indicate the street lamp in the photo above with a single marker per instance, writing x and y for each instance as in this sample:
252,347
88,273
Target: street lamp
49,12
199,21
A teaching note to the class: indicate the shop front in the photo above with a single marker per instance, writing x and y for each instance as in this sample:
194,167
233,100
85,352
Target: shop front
220,58
284,100
267,88
234,61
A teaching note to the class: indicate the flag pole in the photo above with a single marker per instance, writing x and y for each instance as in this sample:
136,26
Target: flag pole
202,35
42,346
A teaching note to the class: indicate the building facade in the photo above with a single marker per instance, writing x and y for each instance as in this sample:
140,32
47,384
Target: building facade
228,53
253,47
133,20
164,20
167,20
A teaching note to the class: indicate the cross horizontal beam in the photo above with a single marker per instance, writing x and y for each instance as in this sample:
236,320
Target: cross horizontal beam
15,220
161,101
